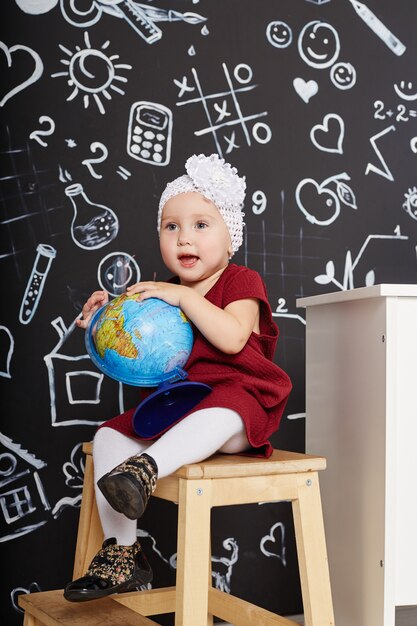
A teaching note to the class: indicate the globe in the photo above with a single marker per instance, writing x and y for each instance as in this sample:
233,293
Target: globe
139,343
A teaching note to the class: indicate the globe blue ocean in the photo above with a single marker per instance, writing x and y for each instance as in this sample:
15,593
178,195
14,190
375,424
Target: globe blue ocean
140,343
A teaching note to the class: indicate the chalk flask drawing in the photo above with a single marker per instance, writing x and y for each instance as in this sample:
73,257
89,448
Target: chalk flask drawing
93,225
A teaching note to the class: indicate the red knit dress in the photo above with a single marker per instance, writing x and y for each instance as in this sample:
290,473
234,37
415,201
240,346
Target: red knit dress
249,382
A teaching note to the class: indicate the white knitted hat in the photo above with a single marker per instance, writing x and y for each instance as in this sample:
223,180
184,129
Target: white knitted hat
217,181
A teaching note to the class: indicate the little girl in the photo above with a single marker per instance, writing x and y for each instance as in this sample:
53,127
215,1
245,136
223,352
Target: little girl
200,225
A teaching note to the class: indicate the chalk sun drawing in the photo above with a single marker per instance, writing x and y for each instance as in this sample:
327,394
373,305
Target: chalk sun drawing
92,72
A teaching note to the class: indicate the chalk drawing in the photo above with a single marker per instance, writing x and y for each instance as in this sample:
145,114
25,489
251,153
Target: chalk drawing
36,7
410,204
332,127
80,78
123,172
275,541
385,172
319,44
37,134
279,34
343,75
149,133
226,111
89,163
16,591
71,143
305,89
375,24
7,349
36,74
413,145
74,479
405,90
325,202
402,114
36,283
259,202
116,272
222,579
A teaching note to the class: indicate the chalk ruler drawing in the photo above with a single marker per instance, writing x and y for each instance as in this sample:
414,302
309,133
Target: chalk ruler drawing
81,78
116,272
149,133
375,24
319,44
321,132
326,209
219,117
36,283
36,74
7,349
37,134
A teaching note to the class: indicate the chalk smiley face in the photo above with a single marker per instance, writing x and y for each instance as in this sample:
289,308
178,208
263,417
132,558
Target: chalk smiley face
319,44
343,75
279,34
405,91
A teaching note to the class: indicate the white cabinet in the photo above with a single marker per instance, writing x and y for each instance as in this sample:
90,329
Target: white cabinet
361,406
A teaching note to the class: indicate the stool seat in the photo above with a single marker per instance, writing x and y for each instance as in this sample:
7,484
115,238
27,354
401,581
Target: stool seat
221,480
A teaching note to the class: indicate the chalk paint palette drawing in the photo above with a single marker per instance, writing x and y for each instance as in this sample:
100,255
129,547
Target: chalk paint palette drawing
149,133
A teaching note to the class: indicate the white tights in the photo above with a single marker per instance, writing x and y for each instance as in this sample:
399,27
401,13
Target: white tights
193,439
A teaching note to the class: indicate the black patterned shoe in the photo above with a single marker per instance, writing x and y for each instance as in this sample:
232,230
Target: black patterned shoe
114,569
128,487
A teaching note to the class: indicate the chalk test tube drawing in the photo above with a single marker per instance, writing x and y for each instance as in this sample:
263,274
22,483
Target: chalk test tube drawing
410,204
37,134
350,265
116,272
319,44
375,24
93,225
7,349
405,90
276,544
36,74
305,89
81,78
24,506
385,172
225,120
66,369
149,133
329,209
36,7
36,283
333,128
279,34
343,75
140,17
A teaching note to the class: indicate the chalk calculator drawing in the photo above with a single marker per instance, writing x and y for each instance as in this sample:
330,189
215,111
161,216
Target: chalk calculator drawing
149,133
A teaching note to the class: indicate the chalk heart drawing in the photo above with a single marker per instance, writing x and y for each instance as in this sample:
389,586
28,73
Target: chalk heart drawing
274,543
332,129
36,74
305,89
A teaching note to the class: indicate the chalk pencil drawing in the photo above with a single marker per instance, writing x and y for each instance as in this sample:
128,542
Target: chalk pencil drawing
223,110
279,34
37,134
405,90
116,272
81,79
385,172
35,76
149,133
348,282
319,44
89,163
45,254
93,225
7,349
141,18
305,89
333,128
343,75
36,7
410,204
74,477
378,27
24,505
325,203
73,380
273,544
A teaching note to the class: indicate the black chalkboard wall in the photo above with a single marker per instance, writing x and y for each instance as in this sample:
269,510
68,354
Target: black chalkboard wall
315,101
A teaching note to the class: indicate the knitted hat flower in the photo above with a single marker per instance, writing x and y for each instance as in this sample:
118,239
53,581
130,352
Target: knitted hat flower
217,181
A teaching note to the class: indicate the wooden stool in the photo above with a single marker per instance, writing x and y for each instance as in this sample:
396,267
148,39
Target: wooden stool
219,481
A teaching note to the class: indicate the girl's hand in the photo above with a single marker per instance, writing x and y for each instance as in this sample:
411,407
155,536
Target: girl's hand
94,302
168,292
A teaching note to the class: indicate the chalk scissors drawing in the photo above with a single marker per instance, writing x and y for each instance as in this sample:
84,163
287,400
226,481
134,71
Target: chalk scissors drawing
219,116
36,74
82,80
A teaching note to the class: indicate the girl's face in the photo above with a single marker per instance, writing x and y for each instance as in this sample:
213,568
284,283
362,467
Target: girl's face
194,239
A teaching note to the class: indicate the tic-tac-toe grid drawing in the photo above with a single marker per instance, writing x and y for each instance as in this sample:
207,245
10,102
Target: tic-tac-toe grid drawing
227,123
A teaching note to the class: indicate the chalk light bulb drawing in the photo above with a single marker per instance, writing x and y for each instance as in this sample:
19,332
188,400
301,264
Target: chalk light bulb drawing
92,72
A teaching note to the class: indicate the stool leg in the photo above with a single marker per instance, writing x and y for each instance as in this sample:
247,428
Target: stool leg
312,553
90,534
193,553
210,581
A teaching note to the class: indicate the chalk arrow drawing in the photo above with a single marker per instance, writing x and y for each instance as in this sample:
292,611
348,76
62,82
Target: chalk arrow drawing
333,127
36,74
